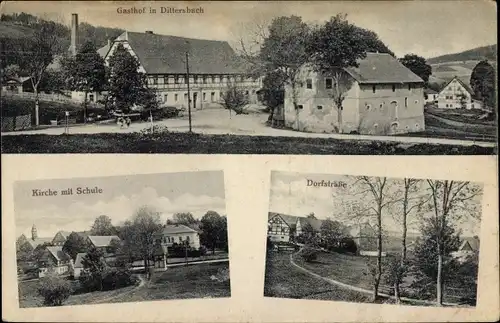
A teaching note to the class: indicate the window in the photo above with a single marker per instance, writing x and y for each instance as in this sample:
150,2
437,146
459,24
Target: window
165,79
394,88
91,98
204,96
406,102
155,80
185,80
320,107
176,97
185,97
246,92
180,239
300,106
213,78
176,79
368,107
212,96
187,238
416,101
409,86
195,79
309,84
204,79
328,83
165,97
374,88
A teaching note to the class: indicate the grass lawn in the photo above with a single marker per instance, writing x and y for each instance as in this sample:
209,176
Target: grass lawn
284,280
175,143
176,283
192,281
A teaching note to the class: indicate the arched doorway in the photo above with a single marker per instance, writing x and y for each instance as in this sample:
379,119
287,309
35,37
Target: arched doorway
393,110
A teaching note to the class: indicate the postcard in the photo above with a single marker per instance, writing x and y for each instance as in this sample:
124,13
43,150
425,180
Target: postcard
334,78
121,239
373,239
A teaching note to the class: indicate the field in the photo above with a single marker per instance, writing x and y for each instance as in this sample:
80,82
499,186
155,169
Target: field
283,279
194,281
177,143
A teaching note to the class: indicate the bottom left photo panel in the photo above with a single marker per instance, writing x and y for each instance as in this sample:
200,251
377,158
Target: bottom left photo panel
119,239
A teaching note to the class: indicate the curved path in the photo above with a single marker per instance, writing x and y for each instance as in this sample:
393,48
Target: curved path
359,289
142,282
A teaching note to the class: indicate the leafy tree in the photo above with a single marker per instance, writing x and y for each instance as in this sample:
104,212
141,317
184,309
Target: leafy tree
428,267
311,216
102,226
273,91
75,244
184,218
234,99
284,50
309,254
372,42
483,83
138,235
335,46
93,270
87,73
39,251
213,230
9,72
54,290
127,85
332,233
449,200
417,65
37,52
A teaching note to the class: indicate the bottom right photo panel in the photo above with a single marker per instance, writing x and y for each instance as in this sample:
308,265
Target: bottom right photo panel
407,241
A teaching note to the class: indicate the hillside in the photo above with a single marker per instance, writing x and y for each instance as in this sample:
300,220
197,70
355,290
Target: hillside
475,54
95,34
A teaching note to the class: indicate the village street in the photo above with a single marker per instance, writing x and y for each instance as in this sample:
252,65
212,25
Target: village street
219,122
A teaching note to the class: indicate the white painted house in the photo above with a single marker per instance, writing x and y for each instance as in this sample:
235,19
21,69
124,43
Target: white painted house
457,95
179,234
54,259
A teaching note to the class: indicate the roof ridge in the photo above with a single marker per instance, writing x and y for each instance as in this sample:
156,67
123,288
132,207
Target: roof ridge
175,36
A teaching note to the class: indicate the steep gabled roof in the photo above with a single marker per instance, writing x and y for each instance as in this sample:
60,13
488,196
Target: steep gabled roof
102,241
65,234
291,220
78,260
470,241
38,241
162,54
378,68
58,253
465,86
103,51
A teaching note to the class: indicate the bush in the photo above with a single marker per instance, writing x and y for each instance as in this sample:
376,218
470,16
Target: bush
54,290
309,254
114,279
203,250
89,282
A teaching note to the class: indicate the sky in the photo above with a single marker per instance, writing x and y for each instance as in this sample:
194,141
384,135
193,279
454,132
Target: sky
168,193
290,194
426,28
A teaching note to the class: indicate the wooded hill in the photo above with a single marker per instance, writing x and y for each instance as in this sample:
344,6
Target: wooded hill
476,54
97,35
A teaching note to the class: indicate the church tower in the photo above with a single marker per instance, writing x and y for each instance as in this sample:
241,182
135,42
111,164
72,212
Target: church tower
34,234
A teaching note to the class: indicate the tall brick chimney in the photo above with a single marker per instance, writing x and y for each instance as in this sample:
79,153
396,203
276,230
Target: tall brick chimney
74,34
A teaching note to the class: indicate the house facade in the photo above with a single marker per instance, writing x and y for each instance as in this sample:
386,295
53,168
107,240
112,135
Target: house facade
102,243
179,234
55,260
457,95
213,65
60,238
278,229
381,97
430,95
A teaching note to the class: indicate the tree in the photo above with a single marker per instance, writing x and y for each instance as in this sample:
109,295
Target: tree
273,91
54,290
75,244
87,73
449,200
39,251
335,46
93,270
331,233
284,50
417,65
372,42
213,230
127,85
138,235
433,263
183,218
234,99
483,83
102,226
311,216
36,53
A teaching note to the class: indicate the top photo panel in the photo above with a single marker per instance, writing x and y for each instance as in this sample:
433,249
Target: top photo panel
299,78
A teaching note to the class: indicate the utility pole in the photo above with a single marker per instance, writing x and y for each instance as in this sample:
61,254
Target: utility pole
189,94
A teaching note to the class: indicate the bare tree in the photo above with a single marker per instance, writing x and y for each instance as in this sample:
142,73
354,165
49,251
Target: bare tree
450,200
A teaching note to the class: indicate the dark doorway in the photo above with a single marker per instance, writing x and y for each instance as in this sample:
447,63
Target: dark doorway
195,96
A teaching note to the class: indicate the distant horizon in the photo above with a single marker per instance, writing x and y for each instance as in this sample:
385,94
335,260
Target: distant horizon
468,25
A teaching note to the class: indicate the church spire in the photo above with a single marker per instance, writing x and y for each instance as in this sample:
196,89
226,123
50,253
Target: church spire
34,234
